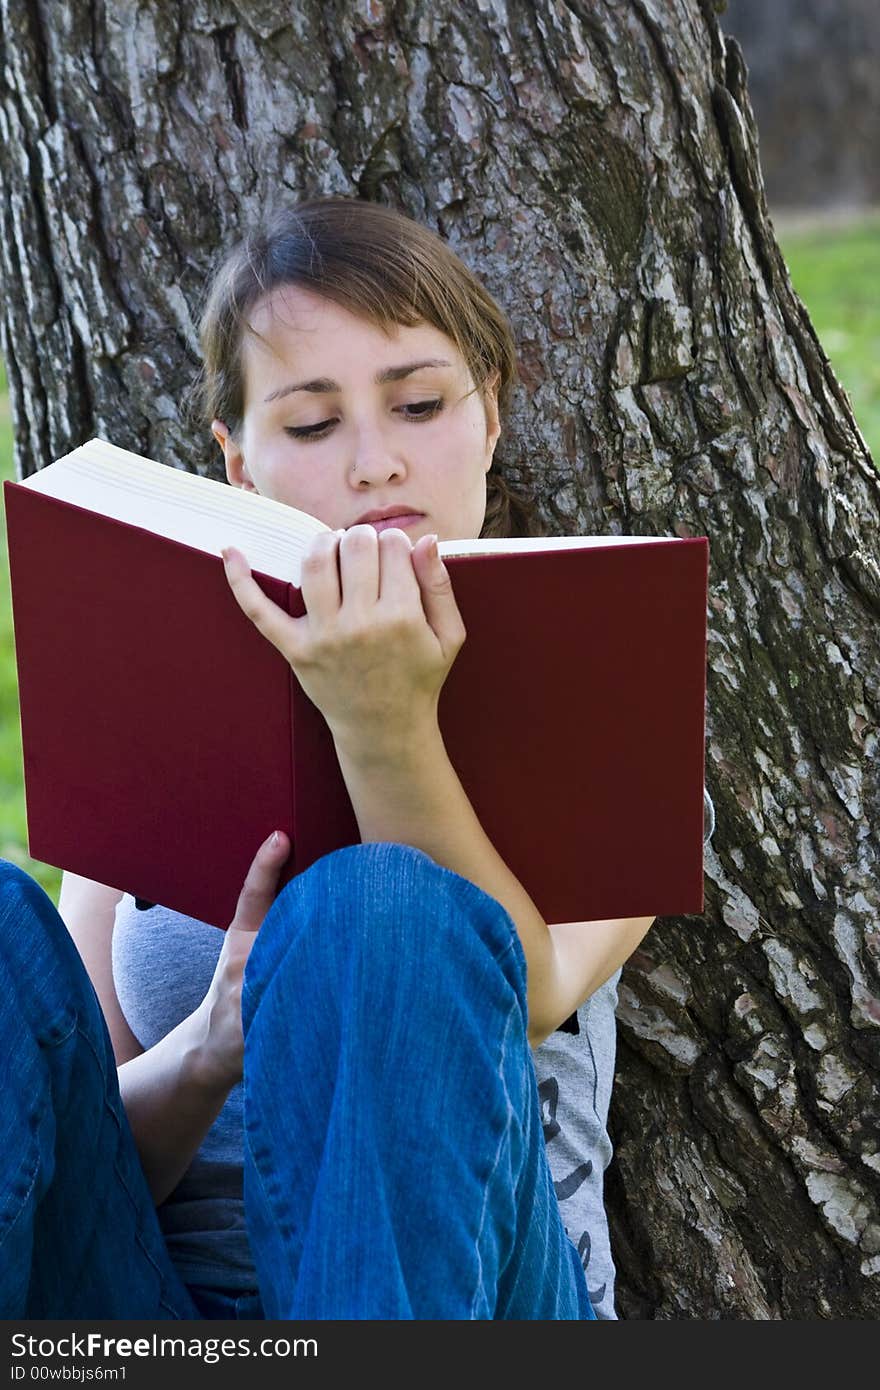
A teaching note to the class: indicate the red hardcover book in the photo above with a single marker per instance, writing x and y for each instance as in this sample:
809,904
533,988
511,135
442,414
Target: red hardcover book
163,737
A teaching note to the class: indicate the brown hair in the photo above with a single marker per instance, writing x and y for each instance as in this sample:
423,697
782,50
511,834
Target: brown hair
376,263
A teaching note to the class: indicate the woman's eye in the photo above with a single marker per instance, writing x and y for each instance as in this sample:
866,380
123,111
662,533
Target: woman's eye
423,410
418,410
308,431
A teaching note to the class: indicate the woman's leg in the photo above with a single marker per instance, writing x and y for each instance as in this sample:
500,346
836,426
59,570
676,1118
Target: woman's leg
394,1159
79,1236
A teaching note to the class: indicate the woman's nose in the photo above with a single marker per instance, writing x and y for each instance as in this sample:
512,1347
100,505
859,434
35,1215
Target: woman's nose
374,461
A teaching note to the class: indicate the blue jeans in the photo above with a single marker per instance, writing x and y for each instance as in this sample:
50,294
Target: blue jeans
394,1161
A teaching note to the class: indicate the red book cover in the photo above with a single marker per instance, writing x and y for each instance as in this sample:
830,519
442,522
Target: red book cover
164,738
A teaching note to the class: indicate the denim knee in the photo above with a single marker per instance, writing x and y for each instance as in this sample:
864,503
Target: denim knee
391,908
388,887
21,893
53,989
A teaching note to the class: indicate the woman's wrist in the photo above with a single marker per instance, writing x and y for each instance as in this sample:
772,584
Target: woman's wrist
207,1065
172,1094
387,749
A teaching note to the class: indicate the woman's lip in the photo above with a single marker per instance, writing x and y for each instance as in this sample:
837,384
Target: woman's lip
401,522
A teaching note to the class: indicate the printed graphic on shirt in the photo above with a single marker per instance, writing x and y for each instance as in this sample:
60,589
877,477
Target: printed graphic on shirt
596,1295
548,1093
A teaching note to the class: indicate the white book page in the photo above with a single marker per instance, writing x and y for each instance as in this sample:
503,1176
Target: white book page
508,545
197,511
209,515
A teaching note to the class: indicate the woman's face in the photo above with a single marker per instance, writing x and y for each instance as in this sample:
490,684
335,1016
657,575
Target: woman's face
342,420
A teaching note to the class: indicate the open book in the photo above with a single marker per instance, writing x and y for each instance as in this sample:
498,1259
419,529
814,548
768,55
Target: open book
164,737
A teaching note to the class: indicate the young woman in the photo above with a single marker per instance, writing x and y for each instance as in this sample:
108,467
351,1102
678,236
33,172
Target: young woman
334,1105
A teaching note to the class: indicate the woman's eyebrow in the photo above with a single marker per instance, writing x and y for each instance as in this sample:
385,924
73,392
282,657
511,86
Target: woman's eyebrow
324,384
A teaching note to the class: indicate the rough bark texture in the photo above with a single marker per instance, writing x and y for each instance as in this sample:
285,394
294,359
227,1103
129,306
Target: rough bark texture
595,161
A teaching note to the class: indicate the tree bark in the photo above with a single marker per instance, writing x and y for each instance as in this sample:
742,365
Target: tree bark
595,162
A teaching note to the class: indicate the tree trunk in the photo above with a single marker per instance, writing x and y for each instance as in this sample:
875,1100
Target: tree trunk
595,161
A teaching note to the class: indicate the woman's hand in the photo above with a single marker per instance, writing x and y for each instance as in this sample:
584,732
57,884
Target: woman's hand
380,634
222,1047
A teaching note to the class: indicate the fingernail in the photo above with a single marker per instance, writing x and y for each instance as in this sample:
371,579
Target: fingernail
225,554
274,839
432,548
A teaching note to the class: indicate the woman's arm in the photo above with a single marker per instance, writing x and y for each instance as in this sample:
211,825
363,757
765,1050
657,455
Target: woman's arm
173,1092
379,636
171,1099
169,1102
88,910
416,798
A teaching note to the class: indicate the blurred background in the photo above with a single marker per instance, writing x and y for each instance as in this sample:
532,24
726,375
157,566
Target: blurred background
814,78
814,81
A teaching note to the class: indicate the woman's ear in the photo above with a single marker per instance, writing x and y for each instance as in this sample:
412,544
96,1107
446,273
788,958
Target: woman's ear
493,421
236,469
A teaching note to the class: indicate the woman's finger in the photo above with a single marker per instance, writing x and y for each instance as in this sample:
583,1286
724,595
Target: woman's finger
438,599
359,571
319,577
398,585
276,626
260,887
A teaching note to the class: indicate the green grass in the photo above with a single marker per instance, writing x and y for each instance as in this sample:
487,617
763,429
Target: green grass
13,830
836,272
